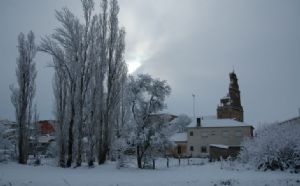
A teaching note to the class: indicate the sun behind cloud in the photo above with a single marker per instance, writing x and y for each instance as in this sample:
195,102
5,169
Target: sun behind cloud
133,65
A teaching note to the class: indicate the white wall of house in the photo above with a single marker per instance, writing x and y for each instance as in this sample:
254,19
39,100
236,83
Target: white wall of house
199,138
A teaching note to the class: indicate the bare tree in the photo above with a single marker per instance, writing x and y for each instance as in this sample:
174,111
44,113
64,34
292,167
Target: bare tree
22,96
84,75
116,67
65,46
100,78
60,87
34,135
90,55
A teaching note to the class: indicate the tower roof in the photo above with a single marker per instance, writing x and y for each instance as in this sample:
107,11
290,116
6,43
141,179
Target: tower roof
230,107
232,75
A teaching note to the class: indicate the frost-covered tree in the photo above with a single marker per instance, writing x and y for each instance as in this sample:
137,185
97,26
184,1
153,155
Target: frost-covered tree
274,146
64,47
123,118
116,70
148,98
22,96
90,58
34,134
181,122
69,47
60,89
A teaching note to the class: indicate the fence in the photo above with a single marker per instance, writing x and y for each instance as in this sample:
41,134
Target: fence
163,163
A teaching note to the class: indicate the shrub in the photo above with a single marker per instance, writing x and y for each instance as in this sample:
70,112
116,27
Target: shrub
275,146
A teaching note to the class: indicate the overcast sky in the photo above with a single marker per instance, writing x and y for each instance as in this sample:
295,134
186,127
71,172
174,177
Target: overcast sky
193,44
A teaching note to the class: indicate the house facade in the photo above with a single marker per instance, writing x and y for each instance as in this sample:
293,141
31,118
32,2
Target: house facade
219,135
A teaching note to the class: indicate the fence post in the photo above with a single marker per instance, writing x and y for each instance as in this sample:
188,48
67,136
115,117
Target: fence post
188,161
153,163
167,162
221,159
179,160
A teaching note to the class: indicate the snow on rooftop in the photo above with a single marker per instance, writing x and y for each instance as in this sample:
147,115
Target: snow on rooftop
9,131
45,138
6,122
219,146
179,137
210,122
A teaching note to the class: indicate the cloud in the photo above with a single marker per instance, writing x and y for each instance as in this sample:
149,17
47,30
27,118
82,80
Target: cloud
193,44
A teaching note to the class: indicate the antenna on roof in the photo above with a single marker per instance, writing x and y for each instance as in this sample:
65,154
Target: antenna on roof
193,106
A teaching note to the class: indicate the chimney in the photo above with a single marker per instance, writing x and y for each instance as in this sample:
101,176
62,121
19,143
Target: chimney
198,122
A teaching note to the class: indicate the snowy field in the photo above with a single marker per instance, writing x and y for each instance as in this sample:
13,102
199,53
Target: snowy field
12,174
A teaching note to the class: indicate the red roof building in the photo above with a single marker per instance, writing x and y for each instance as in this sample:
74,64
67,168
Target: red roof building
46,127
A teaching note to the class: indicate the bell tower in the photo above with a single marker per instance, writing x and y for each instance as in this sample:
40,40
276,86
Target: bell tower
230,106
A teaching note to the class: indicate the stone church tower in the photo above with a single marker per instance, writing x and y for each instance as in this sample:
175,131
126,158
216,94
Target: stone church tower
230,106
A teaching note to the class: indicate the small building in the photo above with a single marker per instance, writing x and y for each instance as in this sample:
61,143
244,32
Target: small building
180,150
44,137
217,151
208,131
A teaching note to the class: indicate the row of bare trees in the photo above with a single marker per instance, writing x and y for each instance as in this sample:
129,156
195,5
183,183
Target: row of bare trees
90,71
100,111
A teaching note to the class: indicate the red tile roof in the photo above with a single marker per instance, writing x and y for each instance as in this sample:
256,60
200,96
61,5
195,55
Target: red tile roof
46,127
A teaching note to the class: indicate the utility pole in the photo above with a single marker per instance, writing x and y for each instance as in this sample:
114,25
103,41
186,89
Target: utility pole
194,117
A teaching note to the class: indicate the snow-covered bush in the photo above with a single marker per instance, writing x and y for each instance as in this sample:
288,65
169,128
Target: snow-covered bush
275,146
7,141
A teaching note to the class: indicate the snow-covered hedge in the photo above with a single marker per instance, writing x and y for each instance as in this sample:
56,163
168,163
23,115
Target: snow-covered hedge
7,147
275,146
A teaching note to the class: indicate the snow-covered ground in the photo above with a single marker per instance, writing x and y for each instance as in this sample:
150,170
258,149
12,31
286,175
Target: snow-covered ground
12,174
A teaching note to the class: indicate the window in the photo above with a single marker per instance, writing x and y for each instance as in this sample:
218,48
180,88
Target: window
204,135
179,150
238,133
191,133
213,133
203,149
225,133
191,148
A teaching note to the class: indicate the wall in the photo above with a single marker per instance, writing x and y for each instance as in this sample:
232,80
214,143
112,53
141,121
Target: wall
204,136
216,153
174,151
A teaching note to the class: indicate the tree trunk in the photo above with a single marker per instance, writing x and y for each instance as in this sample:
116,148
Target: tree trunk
71,126
91,156
104,145
21,147
139,157
71,139
79,147
80,125
62,154
102,154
